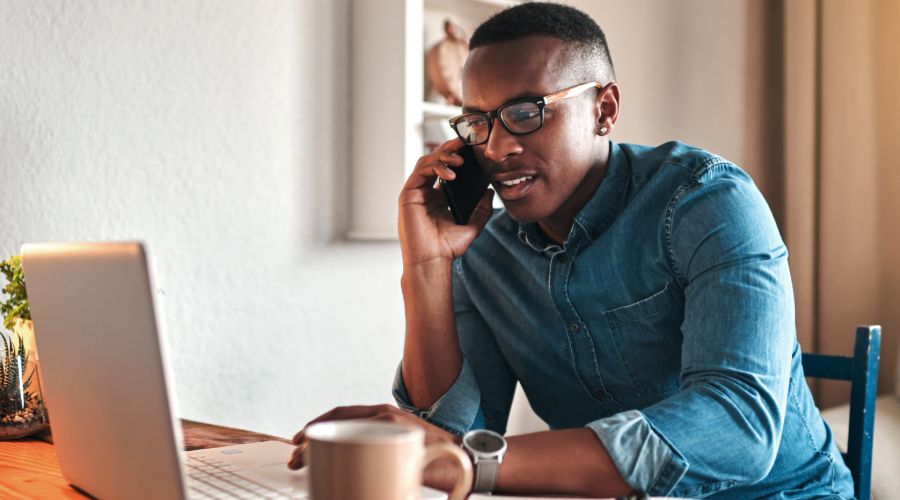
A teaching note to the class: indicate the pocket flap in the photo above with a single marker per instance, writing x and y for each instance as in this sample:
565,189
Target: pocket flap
643,308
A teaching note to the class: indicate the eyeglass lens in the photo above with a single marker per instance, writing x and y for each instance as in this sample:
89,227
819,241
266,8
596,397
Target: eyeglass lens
518,118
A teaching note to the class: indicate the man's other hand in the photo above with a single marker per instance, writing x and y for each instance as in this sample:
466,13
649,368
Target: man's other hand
440,474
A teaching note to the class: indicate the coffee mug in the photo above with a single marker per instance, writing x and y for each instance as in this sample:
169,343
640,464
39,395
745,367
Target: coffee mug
368,459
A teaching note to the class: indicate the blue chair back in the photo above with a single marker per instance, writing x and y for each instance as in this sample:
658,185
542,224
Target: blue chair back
862,372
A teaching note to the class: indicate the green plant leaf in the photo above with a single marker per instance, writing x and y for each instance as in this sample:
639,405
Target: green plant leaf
16,304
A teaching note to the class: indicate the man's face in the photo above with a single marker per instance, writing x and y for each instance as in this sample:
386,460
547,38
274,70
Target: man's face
555,159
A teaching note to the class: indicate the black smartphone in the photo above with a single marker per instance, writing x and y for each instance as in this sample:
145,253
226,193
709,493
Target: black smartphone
464,192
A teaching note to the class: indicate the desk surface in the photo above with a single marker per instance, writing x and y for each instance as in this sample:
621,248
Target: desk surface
29,467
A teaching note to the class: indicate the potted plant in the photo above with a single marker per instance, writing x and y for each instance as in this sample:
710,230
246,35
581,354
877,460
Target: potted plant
21,401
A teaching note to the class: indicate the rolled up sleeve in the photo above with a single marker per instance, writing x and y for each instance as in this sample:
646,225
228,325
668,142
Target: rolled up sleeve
455,411
723,426
642,456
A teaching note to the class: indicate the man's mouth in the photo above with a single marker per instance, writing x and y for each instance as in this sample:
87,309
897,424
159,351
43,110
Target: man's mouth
514,189
520,180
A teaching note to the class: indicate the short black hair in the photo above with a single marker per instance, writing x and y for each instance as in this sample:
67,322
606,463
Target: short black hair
568,24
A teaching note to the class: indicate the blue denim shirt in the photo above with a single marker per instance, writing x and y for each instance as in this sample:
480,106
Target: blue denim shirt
664,322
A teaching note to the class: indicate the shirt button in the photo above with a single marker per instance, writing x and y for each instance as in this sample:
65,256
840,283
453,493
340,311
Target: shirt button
563,259
599,393
574,327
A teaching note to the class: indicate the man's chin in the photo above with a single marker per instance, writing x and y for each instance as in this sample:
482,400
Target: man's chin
521,213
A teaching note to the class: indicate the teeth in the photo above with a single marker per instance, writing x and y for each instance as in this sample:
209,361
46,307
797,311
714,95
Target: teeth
516,181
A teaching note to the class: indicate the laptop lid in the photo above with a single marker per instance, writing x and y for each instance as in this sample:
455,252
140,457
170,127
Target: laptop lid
103,369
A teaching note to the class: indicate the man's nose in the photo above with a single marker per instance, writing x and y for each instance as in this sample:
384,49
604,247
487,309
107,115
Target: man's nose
501,144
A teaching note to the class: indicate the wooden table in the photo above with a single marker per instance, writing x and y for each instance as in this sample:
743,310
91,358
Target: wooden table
29,467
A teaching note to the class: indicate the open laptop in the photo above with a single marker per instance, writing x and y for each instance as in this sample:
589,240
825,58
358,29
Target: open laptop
108,386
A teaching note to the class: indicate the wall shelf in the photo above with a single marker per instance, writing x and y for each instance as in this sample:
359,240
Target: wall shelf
389,114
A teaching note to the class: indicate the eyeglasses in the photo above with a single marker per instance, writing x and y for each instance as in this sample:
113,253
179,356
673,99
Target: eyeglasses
519,116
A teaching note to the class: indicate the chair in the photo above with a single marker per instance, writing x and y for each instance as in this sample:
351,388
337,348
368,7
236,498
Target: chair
862,372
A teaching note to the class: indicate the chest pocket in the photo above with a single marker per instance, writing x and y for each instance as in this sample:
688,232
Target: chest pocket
647,336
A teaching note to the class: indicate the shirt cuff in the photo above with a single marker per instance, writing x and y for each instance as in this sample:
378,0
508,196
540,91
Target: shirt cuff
457,411
644,458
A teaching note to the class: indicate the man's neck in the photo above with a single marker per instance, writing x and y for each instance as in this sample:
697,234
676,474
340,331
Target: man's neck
558,225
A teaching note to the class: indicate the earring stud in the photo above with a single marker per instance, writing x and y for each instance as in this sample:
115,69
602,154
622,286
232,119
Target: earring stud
603,130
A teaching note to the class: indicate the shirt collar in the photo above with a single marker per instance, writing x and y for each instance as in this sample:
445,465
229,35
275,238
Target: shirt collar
599,212
603,208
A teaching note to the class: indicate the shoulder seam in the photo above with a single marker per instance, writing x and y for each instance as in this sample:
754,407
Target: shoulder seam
696,173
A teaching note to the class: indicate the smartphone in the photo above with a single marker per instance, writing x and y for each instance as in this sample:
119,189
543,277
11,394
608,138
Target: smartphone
465,190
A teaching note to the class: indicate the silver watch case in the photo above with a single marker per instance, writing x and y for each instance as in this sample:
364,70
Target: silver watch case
486,449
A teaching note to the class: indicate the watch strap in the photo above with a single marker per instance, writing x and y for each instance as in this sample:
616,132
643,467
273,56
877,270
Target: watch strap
486,475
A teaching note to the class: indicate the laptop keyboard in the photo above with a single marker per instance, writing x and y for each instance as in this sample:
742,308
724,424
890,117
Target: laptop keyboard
211,478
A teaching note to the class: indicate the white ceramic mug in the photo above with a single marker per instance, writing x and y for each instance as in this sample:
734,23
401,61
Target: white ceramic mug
368,459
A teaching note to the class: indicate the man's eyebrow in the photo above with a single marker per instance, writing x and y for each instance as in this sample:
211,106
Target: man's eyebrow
521,95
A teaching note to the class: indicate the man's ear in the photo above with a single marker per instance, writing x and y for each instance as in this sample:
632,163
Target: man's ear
607,108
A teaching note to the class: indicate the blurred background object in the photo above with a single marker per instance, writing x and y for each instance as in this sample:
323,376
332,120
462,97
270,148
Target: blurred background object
444,63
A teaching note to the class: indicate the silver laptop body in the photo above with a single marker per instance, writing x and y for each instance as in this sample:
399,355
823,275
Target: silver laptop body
104,373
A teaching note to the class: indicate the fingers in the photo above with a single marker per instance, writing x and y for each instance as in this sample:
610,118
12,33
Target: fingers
450,157
452,145
440,158
389,417
378,412
345,413
433,166
296,461
342,413
382,413
444,155
300,437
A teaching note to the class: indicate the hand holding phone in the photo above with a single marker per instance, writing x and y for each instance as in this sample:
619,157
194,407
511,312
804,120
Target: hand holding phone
464,192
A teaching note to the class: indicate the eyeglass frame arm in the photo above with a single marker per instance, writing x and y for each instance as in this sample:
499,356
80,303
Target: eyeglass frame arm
572,91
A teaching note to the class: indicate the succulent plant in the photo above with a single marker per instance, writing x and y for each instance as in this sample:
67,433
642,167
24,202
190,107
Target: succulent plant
21,404
15,385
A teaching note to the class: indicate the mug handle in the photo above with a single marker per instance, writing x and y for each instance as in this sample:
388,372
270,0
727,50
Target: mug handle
464,483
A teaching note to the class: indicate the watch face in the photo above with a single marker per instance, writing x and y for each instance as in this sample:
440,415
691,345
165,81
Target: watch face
485,442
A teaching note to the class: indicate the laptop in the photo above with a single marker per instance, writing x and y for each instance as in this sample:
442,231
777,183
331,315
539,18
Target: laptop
108,386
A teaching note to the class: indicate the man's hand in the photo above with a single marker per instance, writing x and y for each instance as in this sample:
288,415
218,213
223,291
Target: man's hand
427,230
440,474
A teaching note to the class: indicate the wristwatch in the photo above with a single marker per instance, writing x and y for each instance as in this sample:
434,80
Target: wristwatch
486,449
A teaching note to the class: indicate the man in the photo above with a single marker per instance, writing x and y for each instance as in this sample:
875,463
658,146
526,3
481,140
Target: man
641,296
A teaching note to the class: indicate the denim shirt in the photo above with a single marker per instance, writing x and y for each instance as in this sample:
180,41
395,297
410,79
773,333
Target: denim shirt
664,323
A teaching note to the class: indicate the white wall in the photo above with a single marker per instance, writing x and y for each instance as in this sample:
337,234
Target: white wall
215,131
667,55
